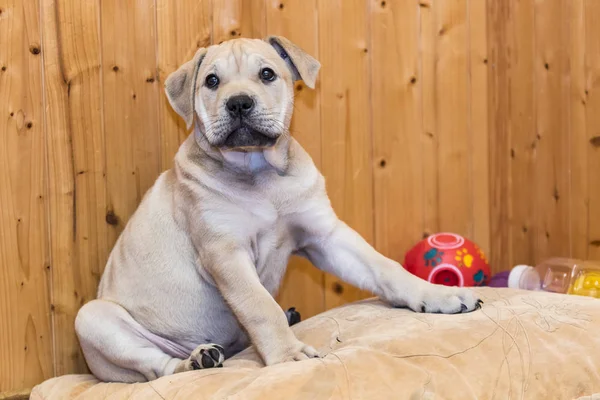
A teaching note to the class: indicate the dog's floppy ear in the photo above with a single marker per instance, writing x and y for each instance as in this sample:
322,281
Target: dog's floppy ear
180,87
302,65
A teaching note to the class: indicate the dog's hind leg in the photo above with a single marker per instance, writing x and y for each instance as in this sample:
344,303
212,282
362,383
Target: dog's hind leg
118,348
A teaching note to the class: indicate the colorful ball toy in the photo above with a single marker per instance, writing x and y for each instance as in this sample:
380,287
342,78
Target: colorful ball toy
448,259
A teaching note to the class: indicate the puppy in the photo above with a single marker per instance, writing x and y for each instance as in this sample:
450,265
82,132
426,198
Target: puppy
192,277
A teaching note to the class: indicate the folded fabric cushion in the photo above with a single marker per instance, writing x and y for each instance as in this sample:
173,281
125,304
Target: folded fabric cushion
519,345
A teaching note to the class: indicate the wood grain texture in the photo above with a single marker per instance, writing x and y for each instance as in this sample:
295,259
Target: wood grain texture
454,180
129,73
25,270
396,126
523,139
577,132
182,28
499,103
551,176
76,169
592,93
297,20
478,123
345,125
238,18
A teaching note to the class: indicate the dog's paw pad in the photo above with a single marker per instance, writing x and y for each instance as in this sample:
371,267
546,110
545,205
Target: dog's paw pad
207,356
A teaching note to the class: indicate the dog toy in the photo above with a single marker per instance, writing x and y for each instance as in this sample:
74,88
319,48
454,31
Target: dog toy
448,259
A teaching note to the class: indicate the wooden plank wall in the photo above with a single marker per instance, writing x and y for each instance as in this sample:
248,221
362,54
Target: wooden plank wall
473,116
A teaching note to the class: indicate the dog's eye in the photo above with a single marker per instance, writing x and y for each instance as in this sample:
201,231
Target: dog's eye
267,74
211,81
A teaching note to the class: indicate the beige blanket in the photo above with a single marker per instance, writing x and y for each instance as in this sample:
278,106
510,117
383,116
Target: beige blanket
520,345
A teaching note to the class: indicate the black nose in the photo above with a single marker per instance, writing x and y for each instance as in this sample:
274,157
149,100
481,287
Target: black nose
240,105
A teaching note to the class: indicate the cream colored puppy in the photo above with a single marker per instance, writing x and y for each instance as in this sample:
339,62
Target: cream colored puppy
191,279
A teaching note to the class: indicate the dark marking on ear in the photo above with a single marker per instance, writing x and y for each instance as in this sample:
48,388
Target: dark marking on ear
286,57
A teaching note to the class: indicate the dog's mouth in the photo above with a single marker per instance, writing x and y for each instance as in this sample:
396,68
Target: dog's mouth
244,136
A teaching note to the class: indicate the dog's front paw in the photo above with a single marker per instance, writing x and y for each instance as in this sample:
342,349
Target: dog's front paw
204,356
296,351
446,300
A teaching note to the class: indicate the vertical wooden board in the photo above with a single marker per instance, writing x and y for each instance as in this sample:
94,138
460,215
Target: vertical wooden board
498,39
429,137
130,87
396,126
452,118
592,91
182,28
238,18
25,331
345,125
254,19
76,179
551,197
579,191
522,131
478,124
297,20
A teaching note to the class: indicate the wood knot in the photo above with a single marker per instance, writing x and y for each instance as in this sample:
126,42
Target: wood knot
115,68
3,68
383,3
111,218
425,235
485,60
337,288
150,79
547,66
413,80
595,141
525,229
512,153
34,49
424,5
235,33
299,87
595,243
382,163
29,125
281,6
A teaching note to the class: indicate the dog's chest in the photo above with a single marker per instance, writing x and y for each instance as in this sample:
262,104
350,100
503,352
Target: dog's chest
270,250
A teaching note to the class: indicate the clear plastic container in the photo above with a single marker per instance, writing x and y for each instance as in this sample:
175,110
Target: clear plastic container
558,275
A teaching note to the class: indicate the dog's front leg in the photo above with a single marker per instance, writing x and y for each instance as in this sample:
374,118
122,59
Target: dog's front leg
256,310
344,253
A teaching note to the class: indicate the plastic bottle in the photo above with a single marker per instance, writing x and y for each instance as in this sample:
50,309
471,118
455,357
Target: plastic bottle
558,275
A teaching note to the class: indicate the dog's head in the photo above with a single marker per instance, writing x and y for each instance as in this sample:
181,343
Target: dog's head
241,90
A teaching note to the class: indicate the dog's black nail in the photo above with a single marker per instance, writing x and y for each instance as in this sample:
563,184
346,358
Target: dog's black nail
479,301
219,366
195,364
423,308
207,361
219,347
463,308
215,354
477,306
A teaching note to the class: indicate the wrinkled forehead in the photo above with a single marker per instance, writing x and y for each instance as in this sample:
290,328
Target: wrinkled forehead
241,55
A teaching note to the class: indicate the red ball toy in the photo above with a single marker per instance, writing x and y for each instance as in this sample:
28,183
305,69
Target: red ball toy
448,259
